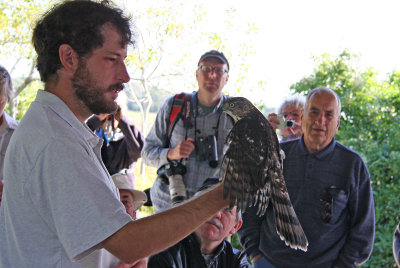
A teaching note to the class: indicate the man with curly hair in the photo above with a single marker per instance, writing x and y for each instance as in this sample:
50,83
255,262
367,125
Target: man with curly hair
60,206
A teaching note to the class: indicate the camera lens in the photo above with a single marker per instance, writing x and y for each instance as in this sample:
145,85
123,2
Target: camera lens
289,123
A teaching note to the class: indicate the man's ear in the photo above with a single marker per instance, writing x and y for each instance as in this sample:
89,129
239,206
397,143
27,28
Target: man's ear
227,78
68,58
236,227
338,124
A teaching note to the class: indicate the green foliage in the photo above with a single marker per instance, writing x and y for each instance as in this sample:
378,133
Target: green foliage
24,100
236,242
369,125
17,55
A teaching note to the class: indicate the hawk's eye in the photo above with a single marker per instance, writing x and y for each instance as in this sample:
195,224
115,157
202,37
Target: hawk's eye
231,105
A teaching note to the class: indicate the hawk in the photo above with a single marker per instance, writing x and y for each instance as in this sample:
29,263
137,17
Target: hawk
252,170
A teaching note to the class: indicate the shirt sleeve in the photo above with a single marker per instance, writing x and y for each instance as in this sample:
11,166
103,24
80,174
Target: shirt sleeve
75,196
360,239
154,152
249,233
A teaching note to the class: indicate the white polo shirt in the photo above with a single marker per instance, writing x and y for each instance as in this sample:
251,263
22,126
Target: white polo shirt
59,201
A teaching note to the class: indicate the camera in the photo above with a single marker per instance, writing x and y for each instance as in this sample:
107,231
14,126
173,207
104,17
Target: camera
206,150
175,168
285,123
172,174
170,169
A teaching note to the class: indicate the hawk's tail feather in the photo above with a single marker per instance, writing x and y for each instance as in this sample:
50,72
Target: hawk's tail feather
287,224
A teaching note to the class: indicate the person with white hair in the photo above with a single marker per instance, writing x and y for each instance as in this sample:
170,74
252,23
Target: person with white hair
330,189
7,123
291,108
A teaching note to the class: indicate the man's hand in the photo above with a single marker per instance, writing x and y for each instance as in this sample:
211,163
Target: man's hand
182,150
273,119
102,117
119,113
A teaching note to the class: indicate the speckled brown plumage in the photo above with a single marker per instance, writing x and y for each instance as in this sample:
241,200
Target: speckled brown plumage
252,170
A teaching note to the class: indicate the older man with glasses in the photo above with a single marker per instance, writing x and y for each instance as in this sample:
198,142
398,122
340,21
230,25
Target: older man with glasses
193,149
330,189
291,109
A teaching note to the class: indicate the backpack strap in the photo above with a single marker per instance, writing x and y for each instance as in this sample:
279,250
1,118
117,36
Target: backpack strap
182,107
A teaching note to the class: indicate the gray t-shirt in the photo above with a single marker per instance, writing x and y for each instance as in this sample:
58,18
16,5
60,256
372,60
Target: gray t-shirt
59,201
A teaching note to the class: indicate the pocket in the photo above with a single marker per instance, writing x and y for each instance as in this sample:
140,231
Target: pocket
339,204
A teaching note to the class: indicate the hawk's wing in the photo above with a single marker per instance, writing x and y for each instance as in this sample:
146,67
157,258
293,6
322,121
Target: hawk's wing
252,172
244,166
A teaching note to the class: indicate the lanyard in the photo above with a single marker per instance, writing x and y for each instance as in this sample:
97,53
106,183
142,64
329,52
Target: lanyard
195,114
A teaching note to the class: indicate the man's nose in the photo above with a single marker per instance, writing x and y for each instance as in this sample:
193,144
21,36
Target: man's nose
212,73
124,75
218,215
289,117
321,118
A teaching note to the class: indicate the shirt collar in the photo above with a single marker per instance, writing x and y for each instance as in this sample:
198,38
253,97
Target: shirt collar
11,122
8,124
62,110
320,155
219,104
219,250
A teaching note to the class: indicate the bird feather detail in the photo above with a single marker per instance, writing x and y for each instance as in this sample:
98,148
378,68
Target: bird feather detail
252,170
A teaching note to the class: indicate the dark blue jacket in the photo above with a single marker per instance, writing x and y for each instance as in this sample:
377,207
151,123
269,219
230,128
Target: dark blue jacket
187,254
345,239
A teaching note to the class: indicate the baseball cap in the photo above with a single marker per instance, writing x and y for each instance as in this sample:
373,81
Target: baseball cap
122,182
214,54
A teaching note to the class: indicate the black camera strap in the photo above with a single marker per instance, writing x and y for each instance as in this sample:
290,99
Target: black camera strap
188,112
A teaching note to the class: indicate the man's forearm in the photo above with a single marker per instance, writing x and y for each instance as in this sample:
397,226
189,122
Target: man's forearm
152,234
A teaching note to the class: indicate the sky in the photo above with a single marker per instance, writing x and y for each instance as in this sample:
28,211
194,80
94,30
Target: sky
292,31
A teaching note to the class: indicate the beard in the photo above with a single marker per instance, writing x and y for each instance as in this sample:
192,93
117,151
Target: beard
90,93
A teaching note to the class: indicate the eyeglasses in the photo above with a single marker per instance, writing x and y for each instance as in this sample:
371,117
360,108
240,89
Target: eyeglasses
326,199
216,70
294,114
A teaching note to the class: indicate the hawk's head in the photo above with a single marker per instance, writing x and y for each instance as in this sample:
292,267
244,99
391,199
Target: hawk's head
238,107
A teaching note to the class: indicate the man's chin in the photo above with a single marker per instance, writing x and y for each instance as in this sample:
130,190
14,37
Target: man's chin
211,88
104,109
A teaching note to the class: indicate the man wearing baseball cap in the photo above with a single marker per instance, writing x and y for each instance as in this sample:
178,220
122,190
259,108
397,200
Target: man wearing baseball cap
198,148
132,199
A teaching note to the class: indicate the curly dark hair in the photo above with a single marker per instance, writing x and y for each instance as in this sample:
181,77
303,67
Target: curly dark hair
77,23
